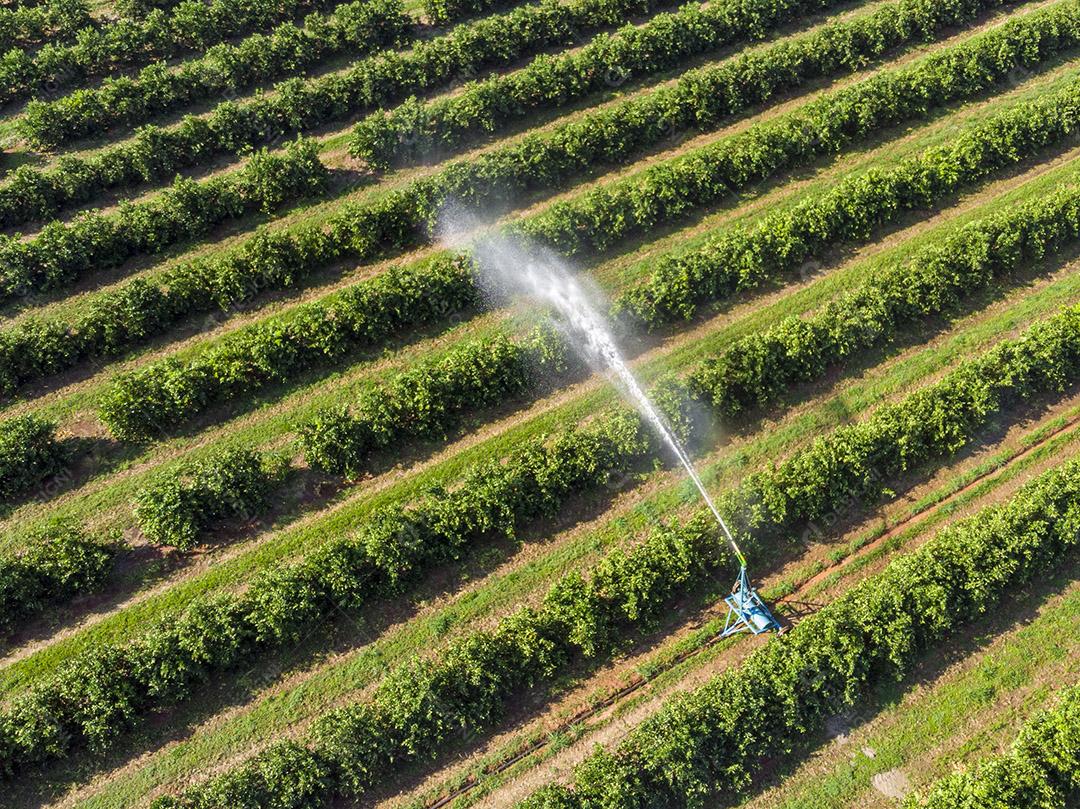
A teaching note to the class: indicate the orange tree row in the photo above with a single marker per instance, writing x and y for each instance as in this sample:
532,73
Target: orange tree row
59,563
353,29
441,12
180,506
822,127
418,707
757,368
661,43
298,104
315,335
29,454
391,77
779,244
62,253
192,25
55,20
438,12
182,503
423,402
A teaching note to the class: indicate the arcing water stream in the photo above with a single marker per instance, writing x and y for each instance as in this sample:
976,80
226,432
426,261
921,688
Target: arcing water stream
512,268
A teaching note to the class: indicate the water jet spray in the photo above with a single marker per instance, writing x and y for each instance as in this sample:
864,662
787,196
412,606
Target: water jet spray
509,268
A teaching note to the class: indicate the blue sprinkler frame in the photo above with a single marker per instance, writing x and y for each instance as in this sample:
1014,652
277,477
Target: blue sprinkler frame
746,611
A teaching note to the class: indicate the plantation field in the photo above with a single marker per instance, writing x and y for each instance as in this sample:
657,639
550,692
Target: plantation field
297,511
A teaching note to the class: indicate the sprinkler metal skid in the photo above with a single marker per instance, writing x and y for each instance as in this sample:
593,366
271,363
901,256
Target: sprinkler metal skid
746,611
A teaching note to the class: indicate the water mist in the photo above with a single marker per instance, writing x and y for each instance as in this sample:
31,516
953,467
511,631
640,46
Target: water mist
510,267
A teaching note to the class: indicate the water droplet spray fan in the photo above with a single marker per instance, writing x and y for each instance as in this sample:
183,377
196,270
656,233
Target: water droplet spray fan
510,268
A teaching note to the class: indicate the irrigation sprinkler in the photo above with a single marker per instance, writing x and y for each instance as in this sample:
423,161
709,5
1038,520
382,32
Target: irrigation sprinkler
746,609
